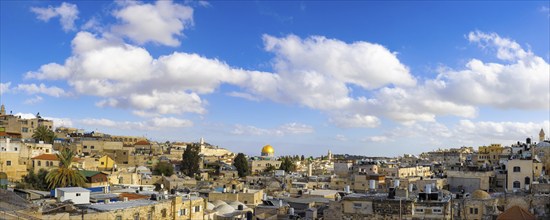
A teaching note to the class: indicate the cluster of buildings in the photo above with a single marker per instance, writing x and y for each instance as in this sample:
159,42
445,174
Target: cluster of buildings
490,182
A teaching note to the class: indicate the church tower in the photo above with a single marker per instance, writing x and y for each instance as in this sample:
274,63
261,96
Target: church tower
541,135
2,110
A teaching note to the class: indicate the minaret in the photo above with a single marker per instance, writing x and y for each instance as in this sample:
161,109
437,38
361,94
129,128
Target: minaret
329,156
541,135
2,110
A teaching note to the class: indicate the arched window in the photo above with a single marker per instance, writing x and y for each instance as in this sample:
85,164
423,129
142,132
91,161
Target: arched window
527,180
517,185
517,169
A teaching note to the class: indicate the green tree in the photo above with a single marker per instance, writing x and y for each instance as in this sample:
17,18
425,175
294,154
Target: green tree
35,181
42,133
241,164
163,168
191,160
269,169
65,175
287,165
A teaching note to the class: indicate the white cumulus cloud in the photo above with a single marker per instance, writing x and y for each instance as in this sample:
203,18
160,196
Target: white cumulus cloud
5,87
34,100
521,84
161,22
66,12
285,129
40,89
156,123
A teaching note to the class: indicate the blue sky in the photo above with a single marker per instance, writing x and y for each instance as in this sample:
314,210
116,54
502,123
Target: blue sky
370,78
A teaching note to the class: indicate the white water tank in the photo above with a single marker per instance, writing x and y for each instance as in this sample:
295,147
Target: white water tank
372,185
291,211
411,186
396,183
428,188
346,189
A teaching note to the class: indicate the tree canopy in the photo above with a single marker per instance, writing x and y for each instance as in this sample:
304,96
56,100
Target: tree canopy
241,163
163,168
65,175
191,160
287,165
42,133
35,181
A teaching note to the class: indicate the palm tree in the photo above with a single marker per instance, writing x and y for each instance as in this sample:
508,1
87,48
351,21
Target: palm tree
42,133
65,175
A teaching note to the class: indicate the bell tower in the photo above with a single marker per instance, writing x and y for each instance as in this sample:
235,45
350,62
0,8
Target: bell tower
541,135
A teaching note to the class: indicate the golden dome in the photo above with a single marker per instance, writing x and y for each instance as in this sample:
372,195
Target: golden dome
480,194
268,149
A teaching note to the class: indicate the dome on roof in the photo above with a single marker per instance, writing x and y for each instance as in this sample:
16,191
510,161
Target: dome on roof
543,144
141,169
235,204
210,206
224,209
218,203
480,194
268,150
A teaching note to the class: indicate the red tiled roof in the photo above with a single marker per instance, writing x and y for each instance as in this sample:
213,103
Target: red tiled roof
51,157
3,133
142,142
46,157
132,196
516,213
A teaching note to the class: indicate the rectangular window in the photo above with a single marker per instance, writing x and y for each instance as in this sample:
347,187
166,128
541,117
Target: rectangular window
517,169
419,210
471,210
8,163
197,208
436,210
475,211
78,194
183,212
102,163
92,147
357,205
